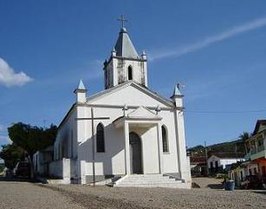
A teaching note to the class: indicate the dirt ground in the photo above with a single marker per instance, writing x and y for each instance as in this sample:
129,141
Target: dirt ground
205,182
106,197
35,195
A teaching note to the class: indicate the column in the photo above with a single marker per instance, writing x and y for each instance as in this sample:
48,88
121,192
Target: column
160,147
181,146
127,154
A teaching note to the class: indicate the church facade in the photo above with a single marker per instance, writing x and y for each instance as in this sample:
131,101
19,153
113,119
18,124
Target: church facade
125,131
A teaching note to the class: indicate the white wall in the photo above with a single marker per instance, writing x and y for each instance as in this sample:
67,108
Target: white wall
112,161
66,139
64,168
170,159
125,95
222,162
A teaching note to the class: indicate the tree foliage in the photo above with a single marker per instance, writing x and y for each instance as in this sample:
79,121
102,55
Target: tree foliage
198,150
31,138
236,146
243,138
26,140
11,154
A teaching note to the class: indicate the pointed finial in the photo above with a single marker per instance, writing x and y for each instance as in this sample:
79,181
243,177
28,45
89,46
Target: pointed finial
177,91
81,85
81,93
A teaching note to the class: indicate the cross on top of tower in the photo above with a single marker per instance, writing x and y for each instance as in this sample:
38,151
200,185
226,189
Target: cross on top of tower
123,20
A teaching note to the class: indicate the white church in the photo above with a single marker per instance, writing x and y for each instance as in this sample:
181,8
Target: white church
126,135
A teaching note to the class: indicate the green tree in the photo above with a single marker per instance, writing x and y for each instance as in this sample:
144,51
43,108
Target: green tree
31,138
11,154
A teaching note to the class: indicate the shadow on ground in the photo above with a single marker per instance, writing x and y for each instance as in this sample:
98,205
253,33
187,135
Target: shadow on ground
215,186
260,192
15,179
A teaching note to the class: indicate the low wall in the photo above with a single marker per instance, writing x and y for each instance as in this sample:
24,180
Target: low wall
64,169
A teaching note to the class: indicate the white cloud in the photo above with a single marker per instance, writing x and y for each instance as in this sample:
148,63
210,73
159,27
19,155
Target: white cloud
177,52
8,77
5,139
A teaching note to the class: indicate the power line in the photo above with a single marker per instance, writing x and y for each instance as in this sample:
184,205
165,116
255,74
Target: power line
224,112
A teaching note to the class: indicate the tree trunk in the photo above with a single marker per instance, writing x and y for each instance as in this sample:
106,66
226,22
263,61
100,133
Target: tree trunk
30,157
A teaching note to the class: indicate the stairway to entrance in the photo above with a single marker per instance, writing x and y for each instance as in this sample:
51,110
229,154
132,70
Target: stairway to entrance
149,180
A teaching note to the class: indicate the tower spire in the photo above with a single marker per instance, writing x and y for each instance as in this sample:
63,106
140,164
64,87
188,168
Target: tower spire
125,63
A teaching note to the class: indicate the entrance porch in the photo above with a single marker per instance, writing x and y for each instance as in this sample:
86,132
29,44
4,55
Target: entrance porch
143,142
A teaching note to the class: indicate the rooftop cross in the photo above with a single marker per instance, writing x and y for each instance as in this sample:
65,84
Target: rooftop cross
123,20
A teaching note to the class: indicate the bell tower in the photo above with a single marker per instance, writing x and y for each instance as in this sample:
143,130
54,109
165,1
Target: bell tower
124,63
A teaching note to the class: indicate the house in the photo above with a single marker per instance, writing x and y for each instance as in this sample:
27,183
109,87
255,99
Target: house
198,165
41,161
251,173
256,150
243,174
126,131
221,160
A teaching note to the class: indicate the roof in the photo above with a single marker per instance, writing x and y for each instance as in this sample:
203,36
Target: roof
177,92
258,125
124,46
81,85
80,88
197,160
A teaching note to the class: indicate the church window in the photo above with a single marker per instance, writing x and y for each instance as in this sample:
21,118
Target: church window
100,145
129,73
165,140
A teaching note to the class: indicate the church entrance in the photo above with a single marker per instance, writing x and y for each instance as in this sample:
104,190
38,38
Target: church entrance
135,153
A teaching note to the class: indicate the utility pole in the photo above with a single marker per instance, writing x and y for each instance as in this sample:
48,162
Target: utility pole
92,118
206,158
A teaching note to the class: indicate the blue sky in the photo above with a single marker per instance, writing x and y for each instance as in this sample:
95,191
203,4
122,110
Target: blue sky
215,48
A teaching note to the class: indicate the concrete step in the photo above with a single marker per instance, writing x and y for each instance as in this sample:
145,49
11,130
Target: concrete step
149,180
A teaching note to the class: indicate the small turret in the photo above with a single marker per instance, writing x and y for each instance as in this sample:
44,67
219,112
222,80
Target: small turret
81,93
177,96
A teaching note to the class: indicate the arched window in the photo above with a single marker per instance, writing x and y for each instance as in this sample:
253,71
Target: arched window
165,140
100,138
129,73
